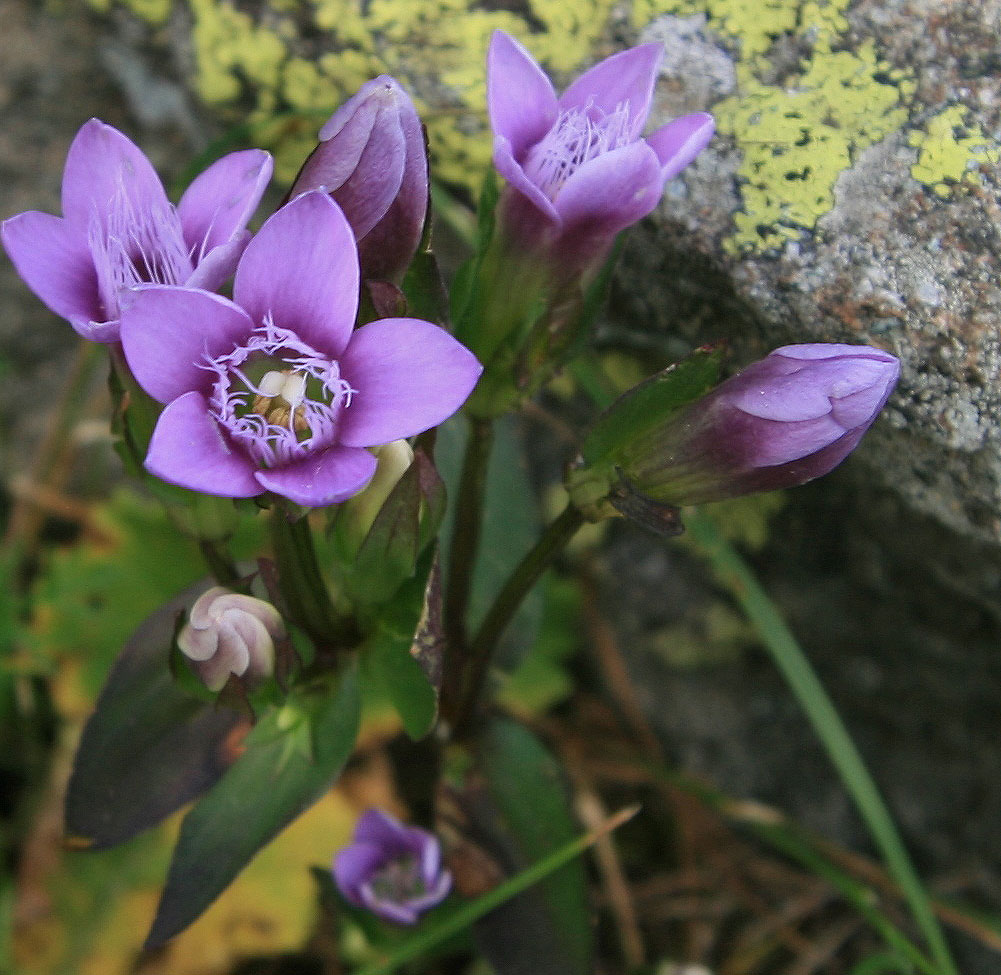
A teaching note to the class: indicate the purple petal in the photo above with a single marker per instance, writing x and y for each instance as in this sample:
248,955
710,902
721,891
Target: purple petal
326,477
167,334
188,448
54,260
354,864
219,263
302,268
520,98
388,248
367,193
390,910
811,351
103,166
219,202
624,79
375,826
680,141
408,375
508,167
438,888
612,191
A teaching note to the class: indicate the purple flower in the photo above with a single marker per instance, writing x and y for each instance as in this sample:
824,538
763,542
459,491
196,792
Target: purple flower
577,168
275,390
228,633
119,230
791,417
372,160
393,870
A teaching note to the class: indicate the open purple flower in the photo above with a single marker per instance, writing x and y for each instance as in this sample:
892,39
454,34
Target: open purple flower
577,168
372,160
229,633
782,421
393,870
118,229
275,390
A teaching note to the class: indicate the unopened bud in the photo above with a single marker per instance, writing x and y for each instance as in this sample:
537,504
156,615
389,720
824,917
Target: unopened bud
791,417
229,633
372,159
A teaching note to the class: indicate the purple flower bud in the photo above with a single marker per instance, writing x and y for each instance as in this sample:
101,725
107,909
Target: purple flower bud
393,870
228,633
791,417
372,159
577,169
118,230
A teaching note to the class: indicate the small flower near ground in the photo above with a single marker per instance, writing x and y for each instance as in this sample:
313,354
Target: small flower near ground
577,168
393,870
228,633
782,421
276,390
372,159
118,229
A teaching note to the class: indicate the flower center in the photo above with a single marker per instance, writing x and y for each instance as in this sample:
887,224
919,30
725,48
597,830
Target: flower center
277,414
398,880
578,136
136,243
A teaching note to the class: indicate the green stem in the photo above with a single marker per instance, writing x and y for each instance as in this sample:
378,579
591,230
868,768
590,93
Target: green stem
302,583
528,572
220,563
462,558
734,574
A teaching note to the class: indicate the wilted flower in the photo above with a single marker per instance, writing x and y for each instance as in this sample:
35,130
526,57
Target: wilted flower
372,160
577,169
393,870
228,633
791,417
275,390
119,230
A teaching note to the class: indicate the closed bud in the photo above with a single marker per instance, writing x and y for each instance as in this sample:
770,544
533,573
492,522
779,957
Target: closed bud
372,159
791,417
229,633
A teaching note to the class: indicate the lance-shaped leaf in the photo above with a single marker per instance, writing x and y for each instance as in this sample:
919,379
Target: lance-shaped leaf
150,746
403,654
407,521
292,757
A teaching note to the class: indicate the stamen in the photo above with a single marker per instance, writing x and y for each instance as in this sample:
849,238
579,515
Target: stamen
133,246
578,136
276,419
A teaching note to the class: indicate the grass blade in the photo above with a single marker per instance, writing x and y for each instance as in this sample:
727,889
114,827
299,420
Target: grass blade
468,914
734,574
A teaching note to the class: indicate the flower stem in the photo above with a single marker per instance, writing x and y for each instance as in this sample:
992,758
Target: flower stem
462,558
528,572
220,563
301,582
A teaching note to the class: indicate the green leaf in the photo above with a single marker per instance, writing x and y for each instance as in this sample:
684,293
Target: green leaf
407,521
389,657
149,747
636,412
265,789
427,297
464,285
525,782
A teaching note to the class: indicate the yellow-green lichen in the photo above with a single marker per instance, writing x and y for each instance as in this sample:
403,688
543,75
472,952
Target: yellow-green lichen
154,12
436,48
797,135
949,151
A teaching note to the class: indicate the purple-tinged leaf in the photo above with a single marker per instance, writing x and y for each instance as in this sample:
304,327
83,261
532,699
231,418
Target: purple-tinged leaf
284,769
150,746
